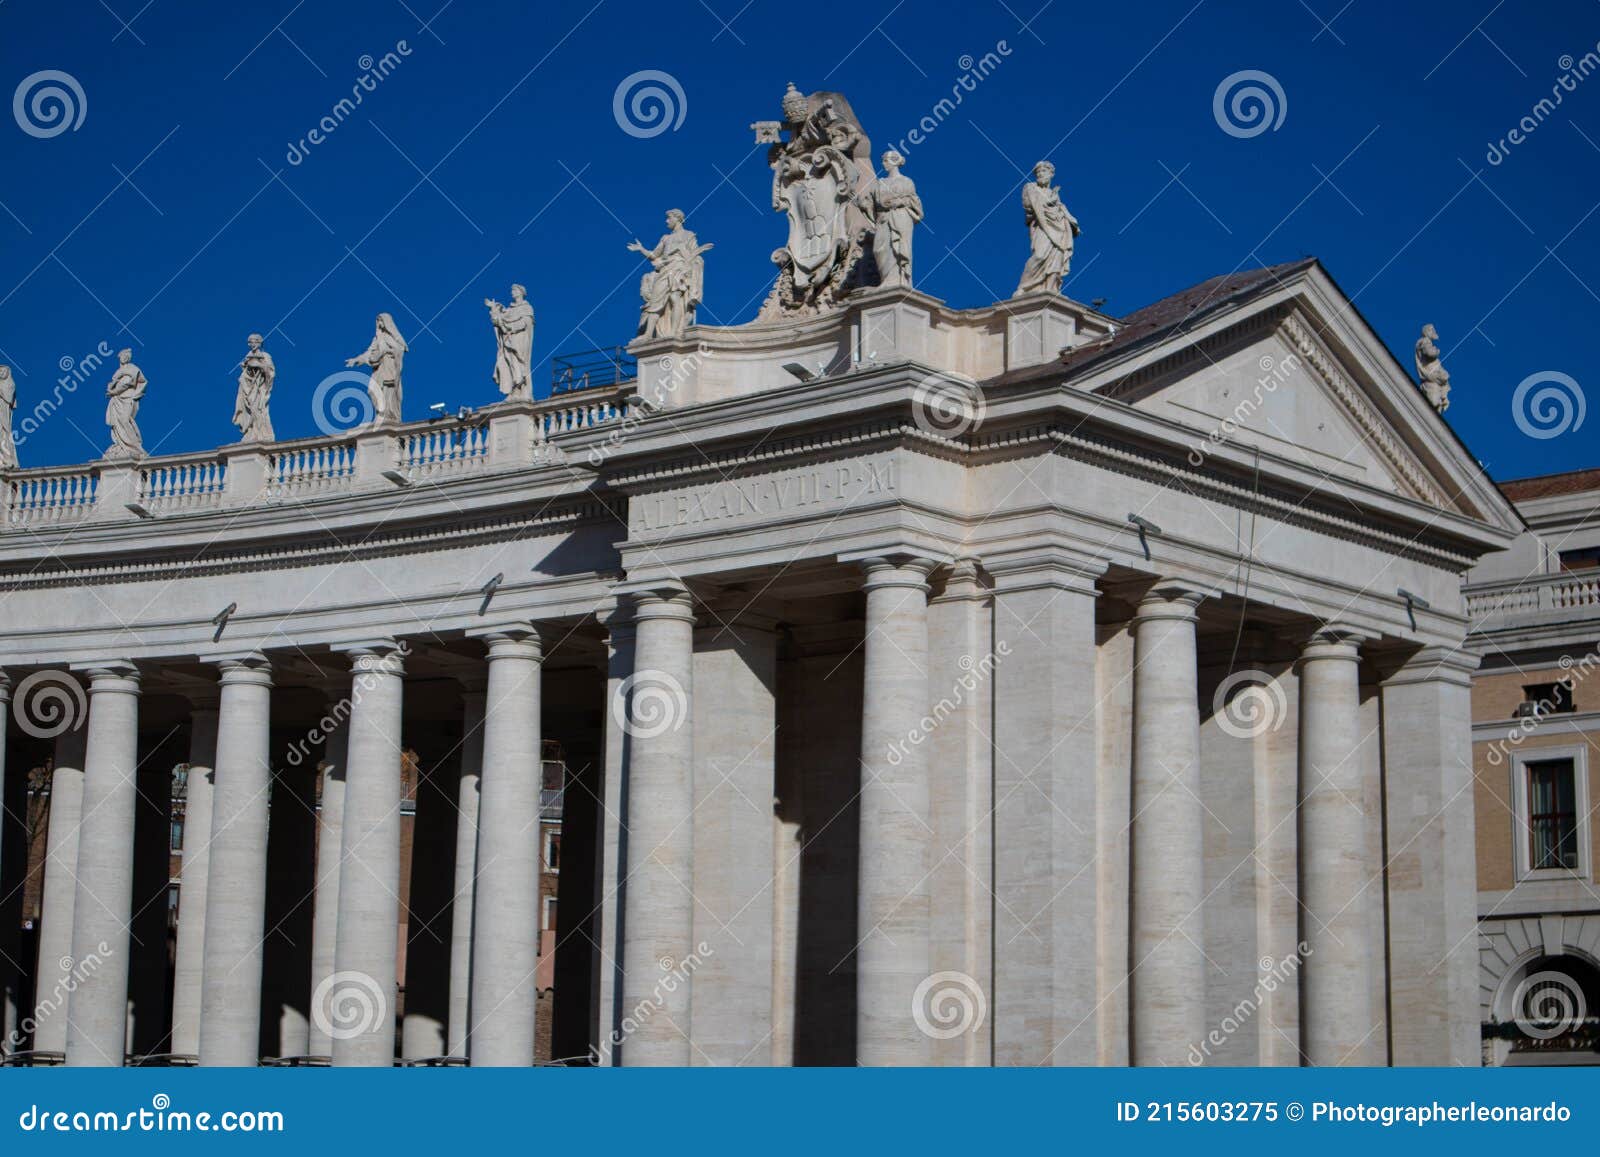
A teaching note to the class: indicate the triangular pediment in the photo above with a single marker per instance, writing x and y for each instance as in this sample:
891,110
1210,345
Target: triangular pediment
1294,373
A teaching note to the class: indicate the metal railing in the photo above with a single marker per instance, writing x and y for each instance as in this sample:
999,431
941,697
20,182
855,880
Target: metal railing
589,369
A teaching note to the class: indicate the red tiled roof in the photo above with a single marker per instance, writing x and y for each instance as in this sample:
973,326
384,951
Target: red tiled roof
1551,485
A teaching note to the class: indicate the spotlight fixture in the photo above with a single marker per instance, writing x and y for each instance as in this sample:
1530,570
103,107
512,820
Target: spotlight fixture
488,591
220,621
1412,603
1144,526
800,371
397,478
438,409
139,510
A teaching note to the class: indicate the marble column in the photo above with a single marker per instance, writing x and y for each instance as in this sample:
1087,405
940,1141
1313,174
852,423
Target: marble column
358,1000
614,836
1047,1007
10,978
97,1014
655,707
962,669
189,966
236,886
467,807
893,955
1431,859
429,900
60,891
735,737
1338,881
505,954
330,840
1167,966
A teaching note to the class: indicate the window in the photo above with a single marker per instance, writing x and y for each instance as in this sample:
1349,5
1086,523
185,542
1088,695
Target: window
1584,558
1548,698
1550,793
552,851
1552,815
549,924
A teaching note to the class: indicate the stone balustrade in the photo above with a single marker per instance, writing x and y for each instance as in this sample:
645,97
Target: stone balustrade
433,450
1506,603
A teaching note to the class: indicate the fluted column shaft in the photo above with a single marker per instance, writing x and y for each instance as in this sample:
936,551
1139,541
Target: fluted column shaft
97,1014
358,1000
894,950
236,888
59,893
330,855
505,954
461,916
1337,884
189,966
1168,967
655,706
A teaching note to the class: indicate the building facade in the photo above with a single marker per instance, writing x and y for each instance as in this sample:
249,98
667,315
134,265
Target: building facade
1007,685
1535,613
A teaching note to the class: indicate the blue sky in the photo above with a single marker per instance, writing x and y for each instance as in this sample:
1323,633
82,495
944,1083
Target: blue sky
172,220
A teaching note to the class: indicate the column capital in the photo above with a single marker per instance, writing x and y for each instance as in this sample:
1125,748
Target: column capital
666,601
1451,665
517,640
382,656
111,675
897,570
244,667
5,685
1334,640
1049,567
1171,598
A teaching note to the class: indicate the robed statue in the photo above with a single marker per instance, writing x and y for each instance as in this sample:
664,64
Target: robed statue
1431,373
1051,232
676,281
256,374
8,408
123,393
895,209
386,355
513,336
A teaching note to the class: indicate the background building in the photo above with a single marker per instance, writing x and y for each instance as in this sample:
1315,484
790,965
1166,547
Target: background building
1535,612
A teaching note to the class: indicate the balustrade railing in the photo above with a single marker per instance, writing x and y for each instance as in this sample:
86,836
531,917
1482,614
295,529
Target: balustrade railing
1532,596
443,451
44,497
309,470
168,485
303,469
